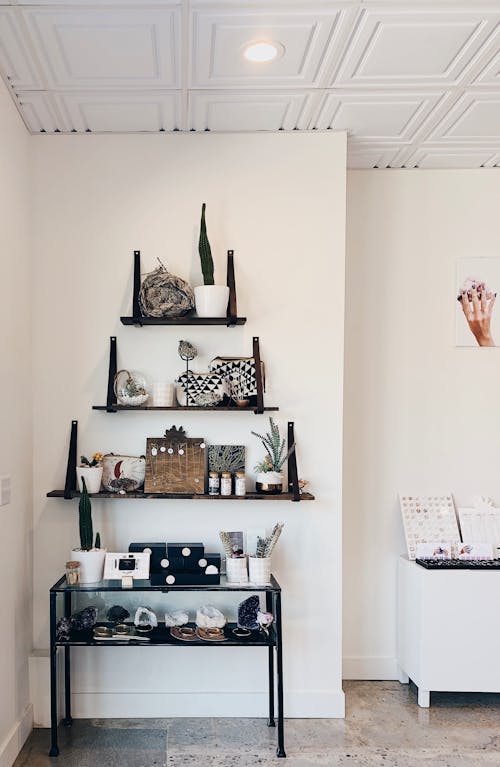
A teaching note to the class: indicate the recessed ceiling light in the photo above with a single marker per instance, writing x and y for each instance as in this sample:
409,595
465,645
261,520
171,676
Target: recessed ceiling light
262,51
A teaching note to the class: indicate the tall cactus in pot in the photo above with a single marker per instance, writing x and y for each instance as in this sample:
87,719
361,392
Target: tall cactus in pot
85,519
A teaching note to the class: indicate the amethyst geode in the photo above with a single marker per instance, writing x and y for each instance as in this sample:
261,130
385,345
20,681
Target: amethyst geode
85,619
247,613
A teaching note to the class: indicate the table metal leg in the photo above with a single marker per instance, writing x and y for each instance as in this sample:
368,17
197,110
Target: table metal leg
270,721
54,748
280,751
67,721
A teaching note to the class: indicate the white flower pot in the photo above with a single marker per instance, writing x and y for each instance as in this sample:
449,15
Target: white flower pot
236,570
211,300
92,476
259,570
91,564
269,482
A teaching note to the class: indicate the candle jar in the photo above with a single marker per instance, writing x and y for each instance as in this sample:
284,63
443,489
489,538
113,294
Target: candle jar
213,483
240,486
72,573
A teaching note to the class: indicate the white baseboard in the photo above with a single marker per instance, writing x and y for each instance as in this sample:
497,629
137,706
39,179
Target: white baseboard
16,738
305,704
377,667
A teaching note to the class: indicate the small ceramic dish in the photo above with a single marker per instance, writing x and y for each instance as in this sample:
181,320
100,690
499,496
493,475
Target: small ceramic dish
122,628
144,629
102,632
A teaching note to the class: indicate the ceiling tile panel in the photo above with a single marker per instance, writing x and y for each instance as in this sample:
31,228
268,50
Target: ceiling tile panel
376,116
450,157
16,63
475,118
39,114
490,75
120,112
107,48
246,112
405,46
219,40
369,157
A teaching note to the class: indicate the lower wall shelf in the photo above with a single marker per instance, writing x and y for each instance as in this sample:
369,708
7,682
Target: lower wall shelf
183,497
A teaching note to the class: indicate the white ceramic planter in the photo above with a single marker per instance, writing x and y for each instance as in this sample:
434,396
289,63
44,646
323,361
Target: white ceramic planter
91,564
92,476
236,570
211,300
269,482
259,570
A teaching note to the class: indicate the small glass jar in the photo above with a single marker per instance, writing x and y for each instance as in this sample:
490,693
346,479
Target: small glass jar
240,485
213,483
225,483
72,573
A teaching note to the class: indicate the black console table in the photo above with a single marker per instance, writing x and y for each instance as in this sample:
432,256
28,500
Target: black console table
161,637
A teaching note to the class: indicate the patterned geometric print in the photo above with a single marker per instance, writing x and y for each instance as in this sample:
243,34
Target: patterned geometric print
428,518
226,458
239,371
175,467
199,384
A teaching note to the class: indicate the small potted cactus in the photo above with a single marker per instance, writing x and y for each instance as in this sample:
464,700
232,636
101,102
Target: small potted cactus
91,471
210,299
89,555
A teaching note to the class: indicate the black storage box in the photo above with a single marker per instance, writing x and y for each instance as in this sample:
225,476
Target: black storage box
185,578
189,553
158,552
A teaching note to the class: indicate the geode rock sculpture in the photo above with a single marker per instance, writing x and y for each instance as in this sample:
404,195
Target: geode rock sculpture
117,614
165,295
177,618
247,613
145,617
208,617
85,619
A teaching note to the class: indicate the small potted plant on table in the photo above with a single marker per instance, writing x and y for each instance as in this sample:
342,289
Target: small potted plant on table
210,299
91,557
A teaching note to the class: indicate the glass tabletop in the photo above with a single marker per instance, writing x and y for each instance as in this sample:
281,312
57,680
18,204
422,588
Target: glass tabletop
145,585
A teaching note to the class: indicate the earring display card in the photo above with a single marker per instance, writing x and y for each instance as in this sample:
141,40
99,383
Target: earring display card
428,518
175,465
480,525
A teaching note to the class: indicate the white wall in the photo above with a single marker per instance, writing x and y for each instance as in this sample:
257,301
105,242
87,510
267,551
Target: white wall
15,431
279,202
420,414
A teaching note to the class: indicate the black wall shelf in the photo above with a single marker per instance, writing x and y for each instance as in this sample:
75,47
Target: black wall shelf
139,320
181,496
115,408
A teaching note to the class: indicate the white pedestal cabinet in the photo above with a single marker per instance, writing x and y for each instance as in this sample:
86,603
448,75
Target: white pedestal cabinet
448,630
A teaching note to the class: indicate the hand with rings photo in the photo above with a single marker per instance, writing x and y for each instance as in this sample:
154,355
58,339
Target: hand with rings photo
477,302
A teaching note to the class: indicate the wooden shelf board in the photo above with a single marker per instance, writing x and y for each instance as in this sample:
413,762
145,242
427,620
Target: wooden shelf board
184,497
197,408
187,320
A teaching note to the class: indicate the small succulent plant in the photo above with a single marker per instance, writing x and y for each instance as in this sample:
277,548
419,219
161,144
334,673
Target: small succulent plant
207,263
275,449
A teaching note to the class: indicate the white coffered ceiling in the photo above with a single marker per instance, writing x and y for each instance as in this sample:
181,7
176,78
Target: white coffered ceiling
415,84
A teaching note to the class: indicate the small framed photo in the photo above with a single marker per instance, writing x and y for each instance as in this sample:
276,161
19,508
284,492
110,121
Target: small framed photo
133,565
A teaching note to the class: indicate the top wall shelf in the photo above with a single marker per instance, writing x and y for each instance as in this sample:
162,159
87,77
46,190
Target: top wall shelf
139,320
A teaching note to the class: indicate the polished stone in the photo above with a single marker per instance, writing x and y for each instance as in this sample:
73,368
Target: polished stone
384,727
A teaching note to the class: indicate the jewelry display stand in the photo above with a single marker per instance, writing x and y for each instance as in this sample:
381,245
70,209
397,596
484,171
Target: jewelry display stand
161,637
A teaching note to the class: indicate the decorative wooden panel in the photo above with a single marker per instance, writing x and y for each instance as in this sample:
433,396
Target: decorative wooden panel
175,464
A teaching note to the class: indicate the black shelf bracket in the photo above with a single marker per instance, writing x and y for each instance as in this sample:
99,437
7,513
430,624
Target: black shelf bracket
232,310
136,309
111,397
70,483
293,477
258,376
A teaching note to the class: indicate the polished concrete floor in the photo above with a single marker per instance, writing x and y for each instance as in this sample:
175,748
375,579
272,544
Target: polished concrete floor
383,728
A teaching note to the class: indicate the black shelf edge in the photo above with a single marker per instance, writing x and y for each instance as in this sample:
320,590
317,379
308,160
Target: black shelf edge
115,408
144,586
183,497
160,636
188,320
